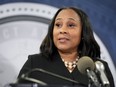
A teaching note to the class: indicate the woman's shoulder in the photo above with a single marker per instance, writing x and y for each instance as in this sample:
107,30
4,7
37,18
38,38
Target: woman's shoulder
101,60
37,60
36,57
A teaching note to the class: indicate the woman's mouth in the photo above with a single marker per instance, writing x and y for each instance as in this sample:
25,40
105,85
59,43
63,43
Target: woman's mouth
62,40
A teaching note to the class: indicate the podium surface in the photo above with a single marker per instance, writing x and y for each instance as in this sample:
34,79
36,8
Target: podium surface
37,85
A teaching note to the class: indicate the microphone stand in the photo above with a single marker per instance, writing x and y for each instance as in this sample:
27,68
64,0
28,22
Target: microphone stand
93,81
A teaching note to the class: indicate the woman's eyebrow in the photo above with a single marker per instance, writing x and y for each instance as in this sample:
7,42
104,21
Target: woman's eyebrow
74,19
68,18
58,18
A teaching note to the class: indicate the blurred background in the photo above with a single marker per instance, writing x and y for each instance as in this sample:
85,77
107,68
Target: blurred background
24,24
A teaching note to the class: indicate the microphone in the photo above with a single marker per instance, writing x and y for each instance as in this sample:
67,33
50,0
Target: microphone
101,69
86,66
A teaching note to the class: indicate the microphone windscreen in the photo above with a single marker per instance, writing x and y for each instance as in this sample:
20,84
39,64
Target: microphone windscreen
99,65
85,63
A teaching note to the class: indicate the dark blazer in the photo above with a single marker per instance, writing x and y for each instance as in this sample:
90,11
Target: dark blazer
56,66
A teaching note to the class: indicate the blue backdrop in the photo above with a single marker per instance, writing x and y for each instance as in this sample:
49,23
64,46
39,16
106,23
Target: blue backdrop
101,14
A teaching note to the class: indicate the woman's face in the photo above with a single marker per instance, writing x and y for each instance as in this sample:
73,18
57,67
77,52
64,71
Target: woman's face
67,31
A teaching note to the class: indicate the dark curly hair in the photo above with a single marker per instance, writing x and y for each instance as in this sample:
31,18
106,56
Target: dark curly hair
88,45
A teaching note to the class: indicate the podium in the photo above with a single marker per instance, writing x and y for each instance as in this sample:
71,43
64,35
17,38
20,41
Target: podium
37,85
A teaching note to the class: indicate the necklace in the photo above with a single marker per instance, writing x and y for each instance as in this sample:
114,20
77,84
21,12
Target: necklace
70,65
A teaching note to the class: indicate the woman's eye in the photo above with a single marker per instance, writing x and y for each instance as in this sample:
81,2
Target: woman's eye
71,25
58,25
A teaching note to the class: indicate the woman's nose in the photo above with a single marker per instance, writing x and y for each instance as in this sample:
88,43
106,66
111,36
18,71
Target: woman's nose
63,30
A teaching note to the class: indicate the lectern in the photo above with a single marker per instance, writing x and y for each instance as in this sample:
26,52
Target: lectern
37,85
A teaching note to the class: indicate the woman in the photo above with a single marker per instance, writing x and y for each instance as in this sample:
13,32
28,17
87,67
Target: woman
69,38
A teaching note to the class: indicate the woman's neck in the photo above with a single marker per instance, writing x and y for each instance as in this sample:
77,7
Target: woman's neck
69,56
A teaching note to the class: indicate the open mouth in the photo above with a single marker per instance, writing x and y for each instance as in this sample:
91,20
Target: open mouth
63,39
